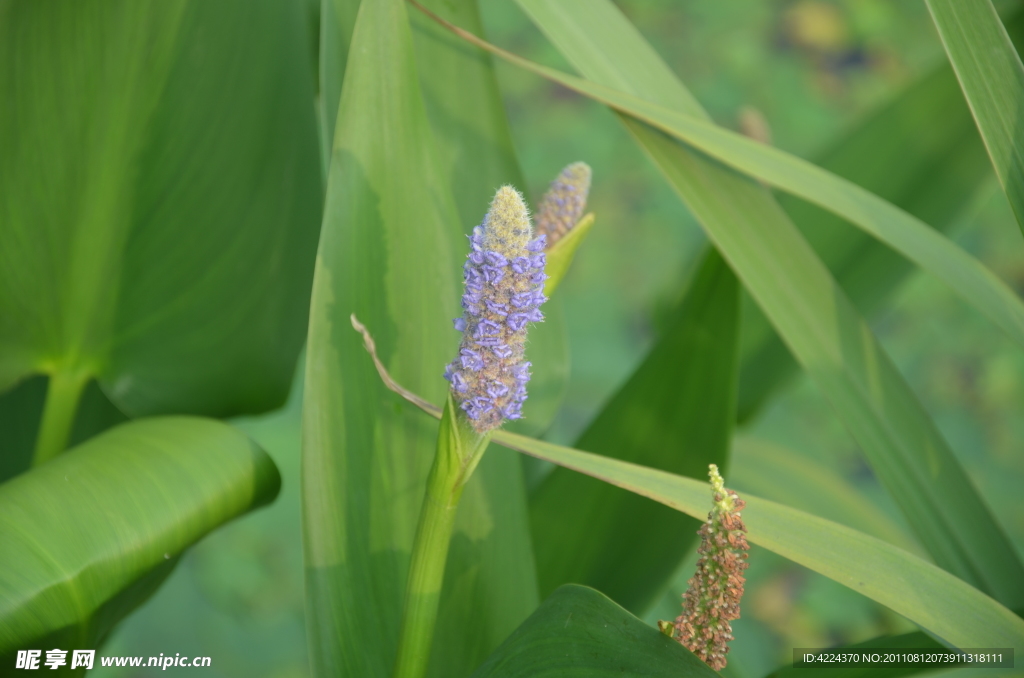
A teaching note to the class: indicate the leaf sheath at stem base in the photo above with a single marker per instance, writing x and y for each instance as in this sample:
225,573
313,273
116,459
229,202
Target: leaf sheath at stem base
459,449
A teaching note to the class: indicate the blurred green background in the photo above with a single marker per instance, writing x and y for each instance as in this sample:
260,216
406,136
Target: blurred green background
811,68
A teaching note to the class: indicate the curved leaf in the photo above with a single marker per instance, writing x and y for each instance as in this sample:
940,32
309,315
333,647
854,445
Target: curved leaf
797,293
927,595
90,535
578,631
992,77
932,598
903,232
682,397
391,249
159,199
931,166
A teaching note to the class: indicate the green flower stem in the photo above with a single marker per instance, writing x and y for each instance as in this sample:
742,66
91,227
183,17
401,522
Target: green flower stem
63,393
459,449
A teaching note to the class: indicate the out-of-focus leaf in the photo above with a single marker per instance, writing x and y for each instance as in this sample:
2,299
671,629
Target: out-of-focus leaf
777,473
561,254
929,165
929,596
337,20
795,290
580,632
89,536
159,199
676,413
992,77
465,109
390,252
902,231
475,152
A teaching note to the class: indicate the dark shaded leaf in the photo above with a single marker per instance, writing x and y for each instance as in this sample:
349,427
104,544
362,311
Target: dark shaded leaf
675,413
580,632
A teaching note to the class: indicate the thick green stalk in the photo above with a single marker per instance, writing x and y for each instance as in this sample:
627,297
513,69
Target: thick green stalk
459,449
62,396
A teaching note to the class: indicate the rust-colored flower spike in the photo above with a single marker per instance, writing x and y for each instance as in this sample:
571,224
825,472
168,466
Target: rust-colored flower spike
562,206
713,595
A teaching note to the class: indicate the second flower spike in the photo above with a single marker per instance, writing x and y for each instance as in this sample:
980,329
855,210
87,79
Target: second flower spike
563,204
504,282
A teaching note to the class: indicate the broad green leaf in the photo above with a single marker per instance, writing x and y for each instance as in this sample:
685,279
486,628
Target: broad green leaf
801,481
930,597
579,632
676,413
795,290
391,251
475,153
88,536
929,165
159,199
992,78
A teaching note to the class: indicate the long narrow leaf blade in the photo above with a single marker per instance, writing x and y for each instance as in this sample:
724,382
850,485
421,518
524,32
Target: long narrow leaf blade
903,232
808,309
992,78
801,481
87,537
681,397
931,166
927,595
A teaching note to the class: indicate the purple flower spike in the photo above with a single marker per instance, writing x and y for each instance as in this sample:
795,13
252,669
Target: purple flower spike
504,275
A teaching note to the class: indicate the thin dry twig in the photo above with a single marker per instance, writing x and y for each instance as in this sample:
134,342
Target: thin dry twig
371,348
